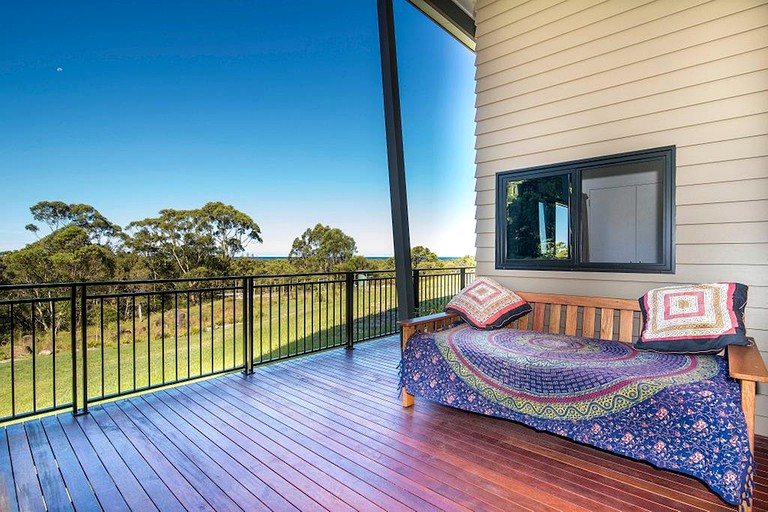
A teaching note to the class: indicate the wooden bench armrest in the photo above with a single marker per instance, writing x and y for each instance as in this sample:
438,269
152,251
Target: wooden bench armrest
425,320
746,363
424,324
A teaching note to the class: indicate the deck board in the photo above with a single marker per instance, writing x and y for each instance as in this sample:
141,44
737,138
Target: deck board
28,491
75,480
7,487
50,479
322,432
100,481
536,473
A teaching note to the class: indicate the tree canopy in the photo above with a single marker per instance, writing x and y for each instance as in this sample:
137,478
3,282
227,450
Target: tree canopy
83,245
423,257
67,254
188,243
229,228
58,214
321,248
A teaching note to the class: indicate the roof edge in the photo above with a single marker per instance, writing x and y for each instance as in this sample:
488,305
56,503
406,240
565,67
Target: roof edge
451,18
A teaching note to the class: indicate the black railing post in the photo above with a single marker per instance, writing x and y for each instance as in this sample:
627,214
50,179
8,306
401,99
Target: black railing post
350,286
415,292
463,278
251,322
246,301
84,335
73,336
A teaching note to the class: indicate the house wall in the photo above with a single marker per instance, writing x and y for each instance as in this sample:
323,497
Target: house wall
565,80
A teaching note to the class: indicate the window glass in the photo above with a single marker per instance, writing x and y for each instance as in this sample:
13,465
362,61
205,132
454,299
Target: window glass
621,215
537,218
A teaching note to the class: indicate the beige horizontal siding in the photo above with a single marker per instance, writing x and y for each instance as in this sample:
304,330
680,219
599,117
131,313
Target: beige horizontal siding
531,20
653,135
492,8
680,32
691,106
640,94
566,80
557,85
723,213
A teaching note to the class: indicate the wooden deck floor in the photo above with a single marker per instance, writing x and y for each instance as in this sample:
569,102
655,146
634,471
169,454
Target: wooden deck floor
325,432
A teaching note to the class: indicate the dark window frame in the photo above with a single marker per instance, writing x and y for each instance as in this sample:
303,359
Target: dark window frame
575,168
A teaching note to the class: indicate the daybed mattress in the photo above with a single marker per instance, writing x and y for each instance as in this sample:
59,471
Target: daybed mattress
679,412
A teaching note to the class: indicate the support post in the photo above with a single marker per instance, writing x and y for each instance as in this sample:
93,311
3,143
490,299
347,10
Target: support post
396,160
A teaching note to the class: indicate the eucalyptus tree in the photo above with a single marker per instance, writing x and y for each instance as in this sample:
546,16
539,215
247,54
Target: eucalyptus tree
321,249
230,229
58,214
192,243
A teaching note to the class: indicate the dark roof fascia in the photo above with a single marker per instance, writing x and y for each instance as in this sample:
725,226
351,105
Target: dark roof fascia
451,17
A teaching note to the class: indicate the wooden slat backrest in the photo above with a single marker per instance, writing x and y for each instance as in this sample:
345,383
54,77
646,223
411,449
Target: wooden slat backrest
571,319
554,318
581,310
588,322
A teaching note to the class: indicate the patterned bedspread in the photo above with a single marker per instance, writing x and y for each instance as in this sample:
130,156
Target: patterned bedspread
679,412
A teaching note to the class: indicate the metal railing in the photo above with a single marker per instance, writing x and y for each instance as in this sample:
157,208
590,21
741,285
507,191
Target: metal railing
68,345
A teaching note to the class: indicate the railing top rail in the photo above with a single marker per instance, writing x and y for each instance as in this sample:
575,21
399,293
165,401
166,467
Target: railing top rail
160,281
9,287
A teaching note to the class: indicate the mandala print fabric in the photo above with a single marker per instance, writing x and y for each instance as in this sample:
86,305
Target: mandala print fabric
679,412
694,318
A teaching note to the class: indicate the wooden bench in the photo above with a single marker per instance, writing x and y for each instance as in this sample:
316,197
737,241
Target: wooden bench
606,319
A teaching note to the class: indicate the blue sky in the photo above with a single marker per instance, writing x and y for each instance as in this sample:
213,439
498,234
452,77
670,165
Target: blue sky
273,107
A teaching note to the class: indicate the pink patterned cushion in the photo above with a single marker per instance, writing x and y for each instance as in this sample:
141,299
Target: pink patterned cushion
485,304
693,318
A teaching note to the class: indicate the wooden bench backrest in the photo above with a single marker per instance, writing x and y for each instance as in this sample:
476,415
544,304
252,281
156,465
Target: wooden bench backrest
575,315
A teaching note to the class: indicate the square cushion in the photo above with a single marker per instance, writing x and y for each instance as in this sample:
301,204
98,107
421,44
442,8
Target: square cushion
485,304
693,318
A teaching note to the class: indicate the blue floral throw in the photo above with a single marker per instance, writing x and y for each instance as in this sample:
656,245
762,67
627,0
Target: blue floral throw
678,412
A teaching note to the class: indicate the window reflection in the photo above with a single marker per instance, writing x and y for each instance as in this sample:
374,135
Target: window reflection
538,218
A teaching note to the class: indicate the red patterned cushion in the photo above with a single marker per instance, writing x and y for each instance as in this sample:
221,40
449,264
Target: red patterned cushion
485,304
693,318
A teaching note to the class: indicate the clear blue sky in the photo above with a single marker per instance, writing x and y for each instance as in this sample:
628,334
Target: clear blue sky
273,107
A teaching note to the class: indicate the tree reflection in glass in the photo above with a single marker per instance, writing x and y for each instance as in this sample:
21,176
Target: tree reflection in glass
538,218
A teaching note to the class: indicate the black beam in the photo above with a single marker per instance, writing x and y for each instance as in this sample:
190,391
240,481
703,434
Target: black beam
397,192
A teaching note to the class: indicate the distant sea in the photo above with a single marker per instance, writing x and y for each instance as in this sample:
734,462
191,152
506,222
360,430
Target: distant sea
444,258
